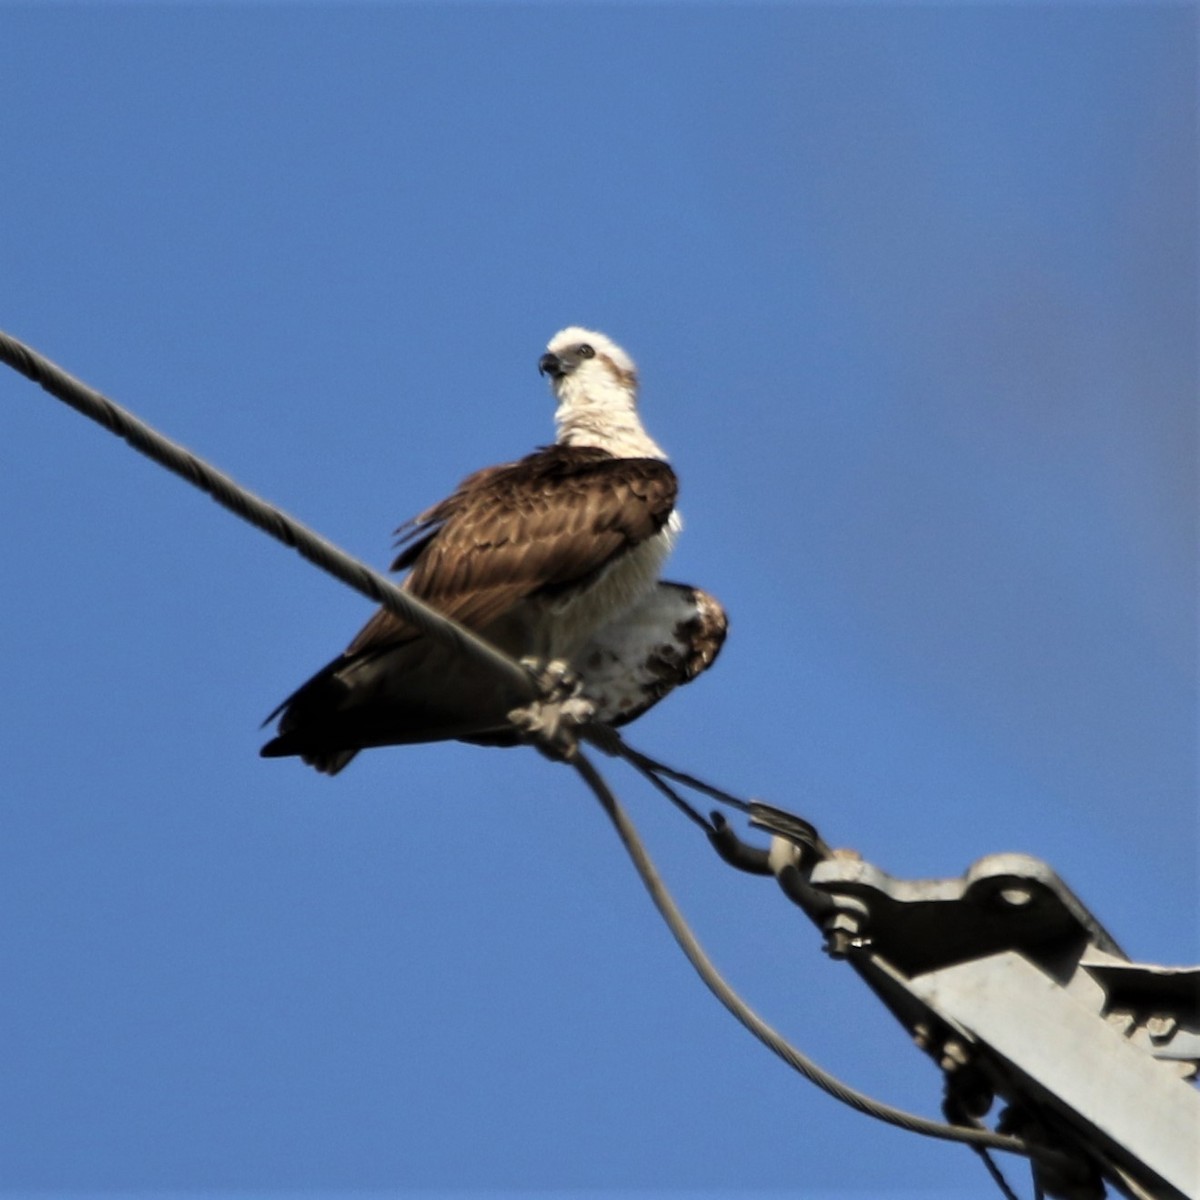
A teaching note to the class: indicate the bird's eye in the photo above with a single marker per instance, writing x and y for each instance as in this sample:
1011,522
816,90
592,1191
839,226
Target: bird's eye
585,351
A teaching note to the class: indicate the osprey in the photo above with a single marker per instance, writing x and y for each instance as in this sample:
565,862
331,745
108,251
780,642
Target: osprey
554,558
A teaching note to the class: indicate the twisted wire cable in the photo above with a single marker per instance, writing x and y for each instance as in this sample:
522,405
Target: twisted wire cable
243,503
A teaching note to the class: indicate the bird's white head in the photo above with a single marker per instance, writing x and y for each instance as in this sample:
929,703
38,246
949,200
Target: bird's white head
596,385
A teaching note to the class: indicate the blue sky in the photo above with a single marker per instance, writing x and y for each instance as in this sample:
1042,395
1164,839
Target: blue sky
913,294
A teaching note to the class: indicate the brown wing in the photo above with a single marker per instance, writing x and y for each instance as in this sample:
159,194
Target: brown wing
415,533
550,520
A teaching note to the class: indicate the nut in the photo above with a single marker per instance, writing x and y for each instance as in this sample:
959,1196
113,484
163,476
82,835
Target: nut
1160,1028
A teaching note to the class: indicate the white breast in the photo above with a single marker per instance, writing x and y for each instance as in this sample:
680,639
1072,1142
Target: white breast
572,619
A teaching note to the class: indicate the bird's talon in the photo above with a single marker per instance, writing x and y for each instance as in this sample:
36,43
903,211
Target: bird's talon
552,723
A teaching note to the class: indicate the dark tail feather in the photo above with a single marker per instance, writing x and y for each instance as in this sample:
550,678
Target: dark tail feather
416,692
286,745
305,710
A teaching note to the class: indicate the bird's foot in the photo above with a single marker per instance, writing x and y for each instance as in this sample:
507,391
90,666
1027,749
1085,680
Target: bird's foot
552,722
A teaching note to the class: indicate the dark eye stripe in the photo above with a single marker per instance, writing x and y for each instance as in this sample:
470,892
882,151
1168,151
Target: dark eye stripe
586,351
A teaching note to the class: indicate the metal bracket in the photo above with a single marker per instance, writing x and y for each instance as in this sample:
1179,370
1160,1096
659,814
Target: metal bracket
1016,989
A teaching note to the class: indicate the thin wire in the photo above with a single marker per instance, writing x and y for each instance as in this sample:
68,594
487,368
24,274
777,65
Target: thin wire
249,507
956,1114
770,1037
613,743
676,799
995,1173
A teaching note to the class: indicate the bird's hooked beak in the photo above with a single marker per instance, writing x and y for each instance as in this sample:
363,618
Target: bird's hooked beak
552,365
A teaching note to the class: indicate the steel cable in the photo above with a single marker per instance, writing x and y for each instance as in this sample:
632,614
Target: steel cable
249,507
376,587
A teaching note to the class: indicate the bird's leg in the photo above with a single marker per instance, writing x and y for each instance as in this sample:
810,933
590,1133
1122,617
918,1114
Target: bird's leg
552,722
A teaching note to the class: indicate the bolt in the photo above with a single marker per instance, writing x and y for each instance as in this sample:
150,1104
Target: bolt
922,1036
1160,1028
954,1055
1016,897
1121,1021
842,934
